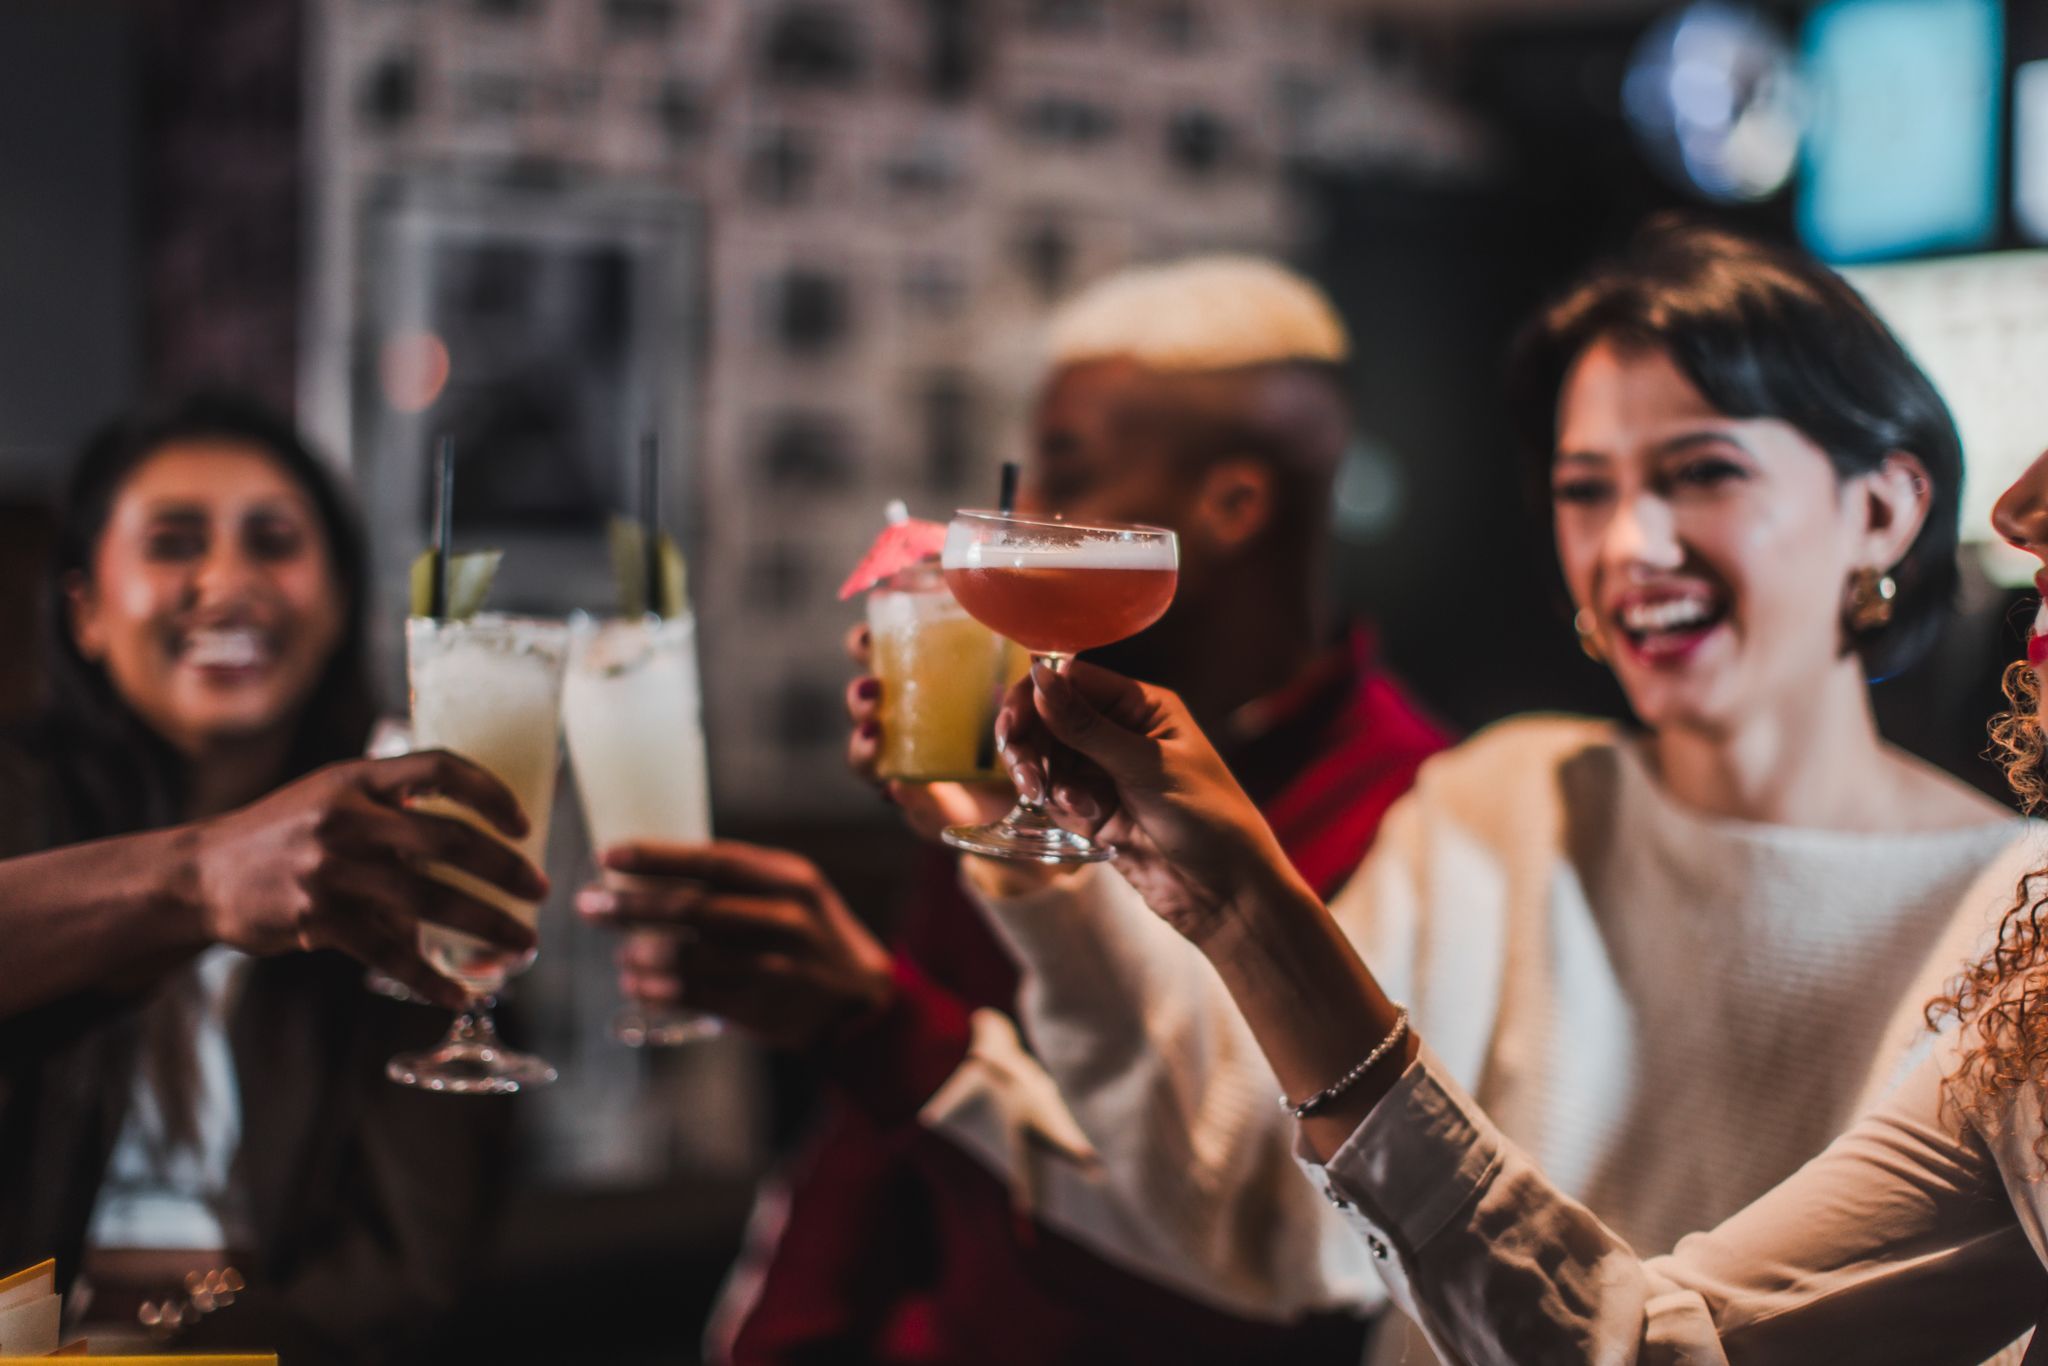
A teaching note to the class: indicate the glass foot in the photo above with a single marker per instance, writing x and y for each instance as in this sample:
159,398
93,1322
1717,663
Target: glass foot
470,1062
1031,841
638,1027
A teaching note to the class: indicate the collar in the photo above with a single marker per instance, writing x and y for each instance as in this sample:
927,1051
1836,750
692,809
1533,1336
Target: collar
1332,672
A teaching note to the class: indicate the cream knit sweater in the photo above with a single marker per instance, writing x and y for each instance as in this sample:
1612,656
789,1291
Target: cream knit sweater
1669,1013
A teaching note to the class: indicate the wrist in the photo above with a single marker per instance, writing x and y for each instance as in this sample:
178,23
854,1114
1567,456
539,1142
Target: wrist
1260,898
179,898
874,995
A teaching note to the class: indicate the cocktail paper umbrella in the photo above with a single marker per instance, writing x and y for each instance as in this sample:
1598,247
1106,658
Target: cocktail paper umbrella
903,542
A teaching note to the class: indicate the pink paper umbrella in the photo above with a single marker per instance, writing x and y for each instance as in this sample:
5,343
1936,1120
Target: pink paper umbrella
903,542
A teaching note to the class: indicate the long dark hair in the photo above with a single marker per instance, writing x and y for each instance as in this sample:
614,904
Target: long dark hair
1764,331
113,773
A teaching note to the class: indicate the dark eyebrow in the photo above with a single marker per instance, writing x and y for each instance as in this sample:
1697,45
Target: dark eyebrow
1579,458
275,507
177,512
1685,441
197,512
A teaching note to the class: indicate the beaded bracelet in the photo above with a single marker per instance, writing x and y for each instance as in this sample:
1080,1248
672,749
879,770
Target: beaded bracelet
1349,1079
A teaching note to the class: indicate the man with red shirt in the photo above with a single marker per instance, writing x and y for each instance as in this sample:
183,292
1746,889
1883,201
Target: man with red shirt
944,1211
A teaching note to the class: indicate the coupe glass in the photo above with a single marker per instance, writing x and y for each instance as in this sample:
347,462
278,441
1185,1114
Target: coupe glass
490,689
633,714
1056,588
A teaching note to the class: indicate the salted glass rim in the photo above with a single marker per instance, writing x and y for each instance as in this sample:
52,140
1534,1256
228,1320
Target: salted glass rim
499,620
1054,524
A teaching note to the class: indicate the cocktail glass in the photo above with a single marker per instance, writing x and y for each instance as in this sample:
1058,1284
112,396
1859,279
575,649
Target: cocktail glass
1056,588
633,713
943,674
488,688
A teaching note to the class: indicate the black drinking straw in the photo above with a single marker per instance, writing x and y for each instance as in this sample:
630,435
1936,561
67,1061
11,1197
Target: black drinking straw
650,521
444,524
985,751
1006,503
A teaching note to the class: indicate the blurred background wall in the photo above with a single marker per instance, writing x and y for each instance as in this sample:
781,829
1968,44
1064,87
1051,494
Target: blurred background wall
808,243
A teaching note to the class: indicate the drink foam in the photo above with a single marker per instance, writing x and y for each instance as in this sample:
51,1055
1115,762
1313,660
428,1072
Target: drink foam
1150,552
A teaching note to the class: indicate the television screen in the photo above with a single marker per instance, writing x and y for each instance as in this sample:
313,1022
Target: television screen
1903,154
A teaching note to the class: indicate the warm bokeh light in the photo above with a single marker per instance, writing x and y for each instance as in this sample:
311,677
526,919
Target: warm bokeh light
412,369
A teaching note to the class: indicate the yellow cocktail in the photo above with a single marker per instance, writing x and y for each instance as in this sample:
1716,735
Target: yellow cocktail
942,674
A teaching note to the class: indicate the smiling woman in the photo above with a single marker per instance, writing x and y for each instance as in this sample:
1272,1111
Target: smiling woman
183,1085
1668,958
212,603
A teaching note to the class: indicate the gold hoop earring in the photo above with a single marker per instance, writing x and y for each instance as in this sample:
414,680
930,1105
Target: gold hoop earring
1589,635
1872,596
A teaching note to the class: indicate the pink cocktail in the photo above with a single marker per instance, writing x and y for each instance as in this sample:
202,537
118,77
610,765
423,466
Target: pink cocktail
1063,609
1056,588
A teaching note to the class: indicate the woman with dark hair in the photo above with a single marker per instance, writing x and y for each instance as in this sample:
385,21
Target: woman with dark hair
1671,958
184,1087
1919,1236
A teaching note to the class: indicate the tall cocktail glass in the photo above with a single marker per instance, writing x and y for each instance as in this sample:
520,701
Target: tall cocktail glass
1056,588
633,713
488,688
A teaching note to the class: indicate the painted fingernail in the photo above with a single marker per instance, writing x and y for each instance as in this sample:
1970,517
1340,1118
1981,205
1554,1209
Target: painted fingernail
870,729
595,901
868,689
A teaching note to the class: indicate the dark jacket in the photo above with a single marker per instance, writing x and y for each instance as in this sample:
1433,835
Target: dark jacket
367,1200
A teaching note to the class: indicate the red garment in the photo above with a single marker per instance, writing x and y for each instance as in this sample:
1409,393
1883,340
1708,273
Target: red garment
897,1247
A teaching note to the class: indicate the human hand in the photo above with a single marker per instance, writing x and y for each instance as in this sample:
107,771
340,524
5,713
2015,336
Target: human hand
755,936
928,808
1128,766
336,860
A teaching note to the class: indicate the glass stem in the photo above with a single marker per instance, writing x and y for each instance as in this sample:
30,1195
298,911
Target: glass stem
474,1024
1035,806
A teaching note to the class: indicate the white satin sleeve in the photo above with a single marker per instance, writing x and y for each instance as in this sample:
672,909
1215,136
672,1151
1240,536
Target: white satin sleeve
1898,1243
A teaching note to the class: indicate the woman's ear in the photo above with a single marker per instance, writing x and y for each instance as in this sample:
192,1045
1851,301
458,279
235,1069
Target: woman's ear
1234,503
1894,501
82,612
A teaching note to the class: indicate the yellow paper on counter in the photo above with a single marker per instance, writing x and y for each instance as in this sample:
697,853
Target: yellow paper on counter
37,1281
30,1310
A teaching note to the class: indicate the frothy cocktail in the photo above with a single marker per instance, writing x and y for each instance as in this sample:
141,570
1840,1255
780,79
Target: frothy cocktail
1056,588
488,689
1062,593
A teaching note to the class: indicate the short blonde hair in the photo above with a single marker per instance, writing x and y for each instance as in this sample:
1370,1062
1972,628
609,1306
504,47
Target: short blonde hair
1200,313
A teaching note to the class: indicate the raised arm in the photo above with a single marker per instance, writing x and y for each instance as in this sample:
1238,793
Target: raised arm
1896,1245
334,860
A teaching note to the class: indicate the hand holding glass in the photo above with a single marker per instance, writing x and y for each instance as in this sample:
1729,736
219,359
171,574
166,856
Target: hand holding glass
633,713
488,688
1056,588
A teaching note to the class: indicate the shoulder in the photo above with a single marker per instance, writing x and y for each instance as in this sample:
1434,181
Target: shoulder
1937,799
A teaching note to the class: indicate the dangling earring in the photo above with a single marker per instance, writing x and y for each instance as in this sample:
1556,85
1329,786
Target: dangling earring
1872,594
1589,635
